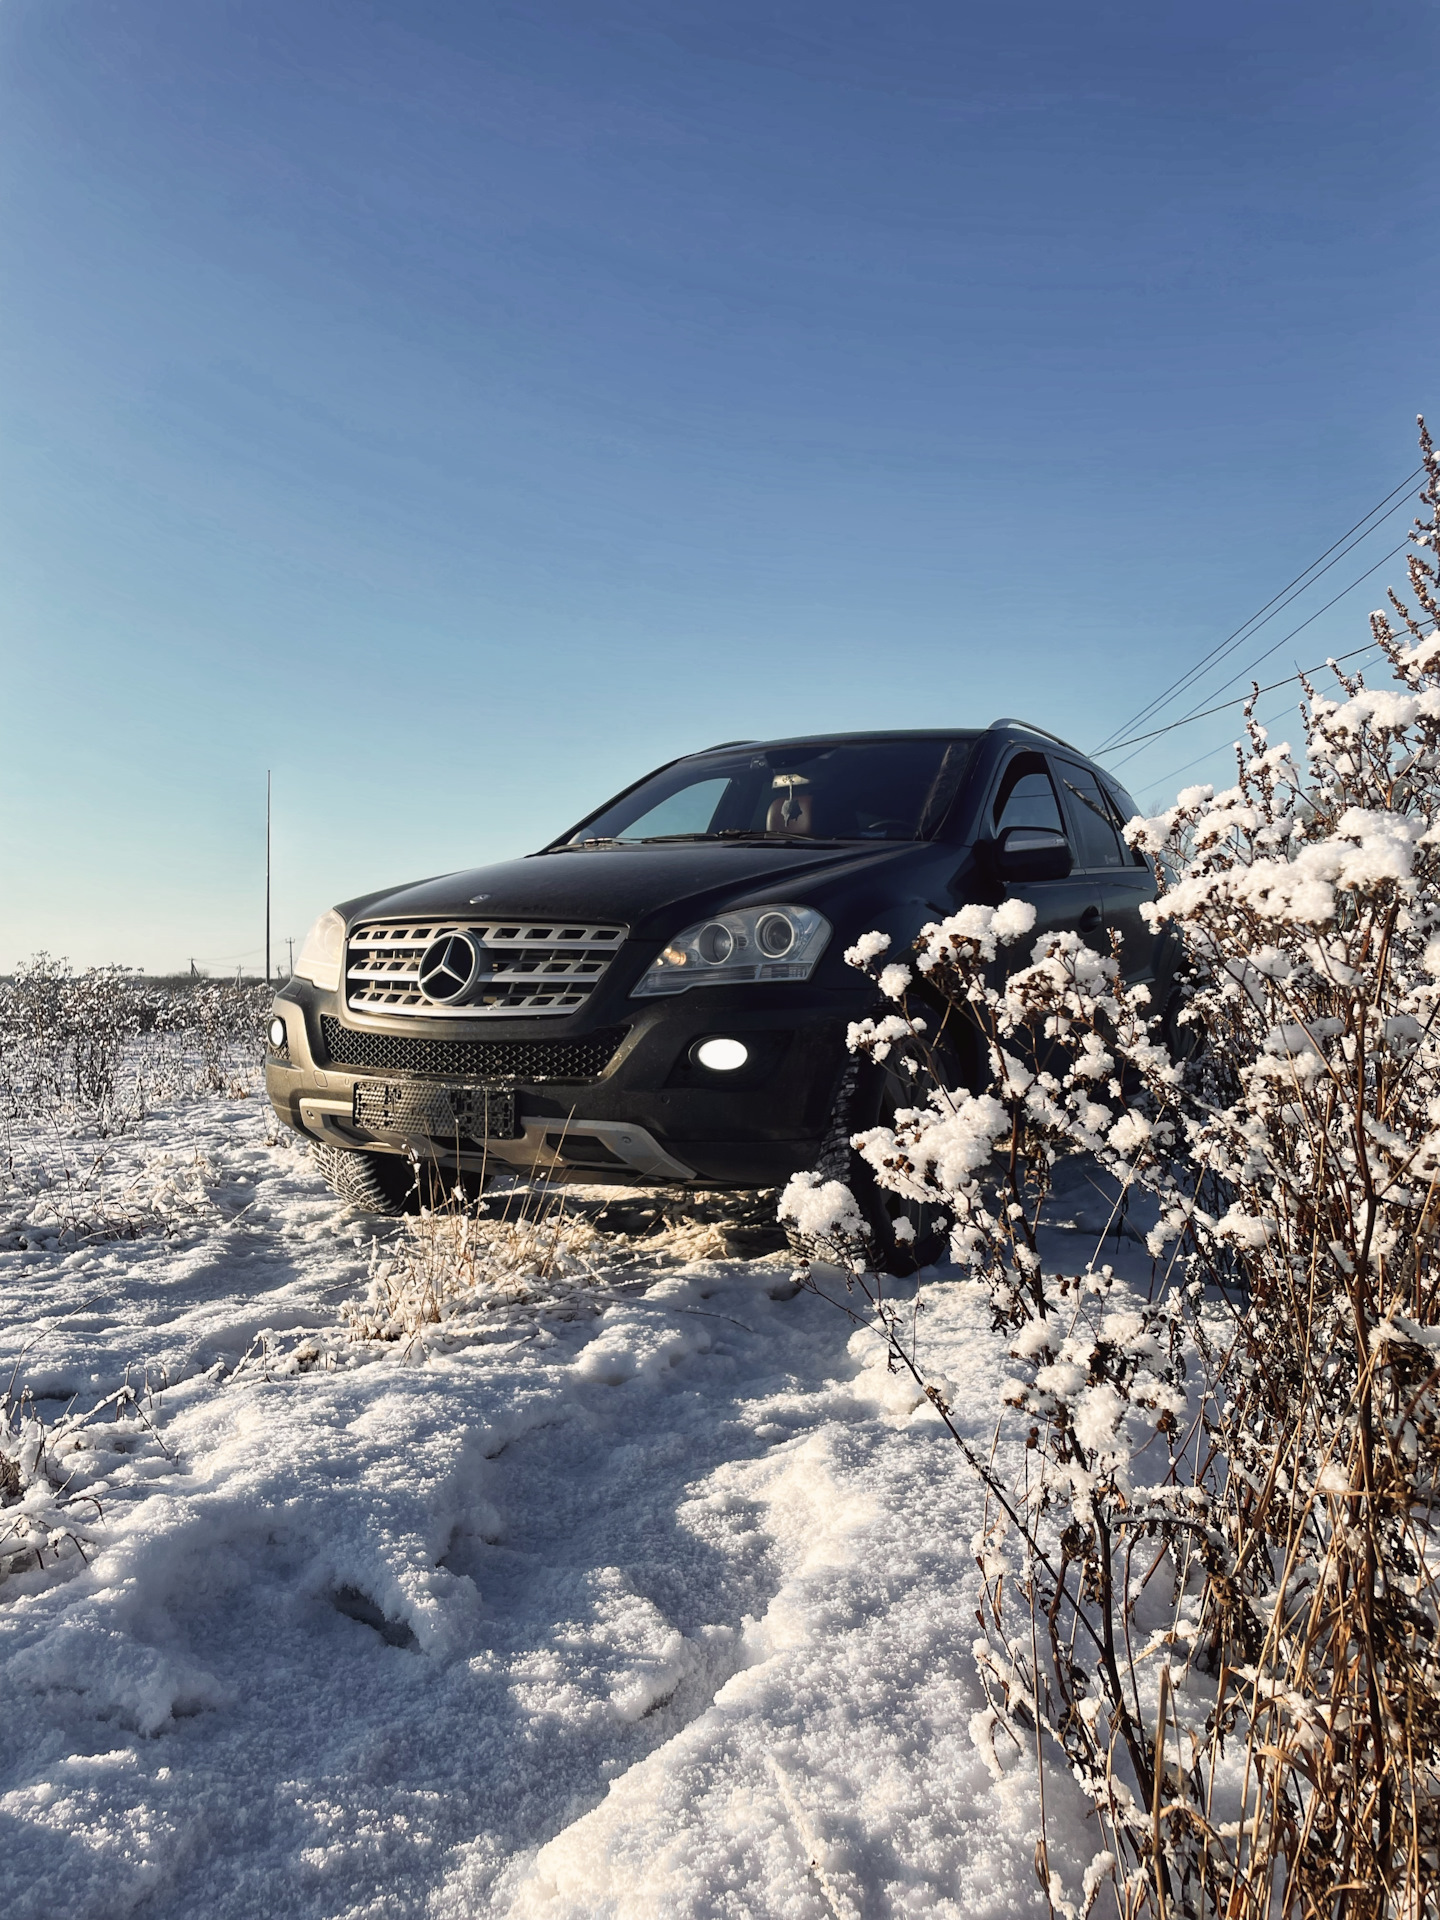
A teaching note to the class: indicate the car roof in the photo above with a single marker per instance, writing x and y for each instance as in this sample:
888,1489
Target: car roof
839,739
1006,725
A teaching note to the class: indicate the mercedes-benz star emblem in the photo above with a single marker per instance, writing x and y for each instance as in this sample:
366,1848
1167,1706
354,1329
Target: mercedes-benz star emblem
449,968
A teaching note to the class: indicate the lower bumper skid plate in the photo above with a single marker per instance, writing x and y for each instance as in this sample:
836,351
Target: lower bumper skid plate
434,1112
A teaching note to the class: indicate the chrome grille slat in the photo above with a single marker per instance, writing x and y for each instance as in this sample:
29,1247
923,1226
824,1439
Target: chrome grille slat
542,966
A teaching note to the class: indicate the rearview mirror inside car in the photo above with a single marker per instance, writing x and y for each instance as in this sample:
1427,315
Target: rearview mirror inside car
1032,853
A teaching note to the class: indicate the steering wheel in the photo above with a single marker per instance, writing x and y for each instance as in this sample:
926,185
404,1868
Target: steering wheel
877,826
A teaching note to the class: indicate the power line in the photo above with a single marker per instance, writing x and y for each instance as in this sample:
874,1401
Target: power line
1137,739
1239,701
1197,713
1303,673
1175,772
1383,561
1276,604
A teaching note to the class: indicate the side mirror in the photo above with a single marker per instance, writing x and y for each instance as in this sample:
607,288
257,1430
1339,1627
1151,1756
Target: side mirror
1032,853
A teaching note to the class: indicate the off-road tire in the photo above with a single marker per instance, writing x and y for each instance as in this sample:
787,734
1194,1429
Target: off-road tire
369,1182
1185,1043
869,1094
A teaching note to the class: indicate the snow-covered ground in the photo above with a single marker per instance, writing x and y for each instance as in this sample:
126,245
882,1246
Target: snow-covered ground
653,1596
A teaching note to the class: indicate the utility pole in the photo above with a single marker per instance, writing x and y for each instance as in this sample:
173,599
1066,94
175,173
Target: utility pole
290,943
267,876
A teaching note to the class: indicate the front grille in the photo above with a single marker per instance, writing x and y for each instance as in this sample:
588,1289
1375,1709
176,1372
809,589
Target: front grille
532,967
584,1058
438,1113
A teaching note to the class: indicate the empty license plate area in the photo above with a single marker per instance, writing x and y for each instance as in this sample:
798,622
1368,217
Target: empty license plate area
438,1113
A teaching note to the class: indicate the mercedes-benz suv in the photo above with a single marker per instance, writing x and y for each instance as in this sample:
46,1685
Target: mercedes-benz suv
661,994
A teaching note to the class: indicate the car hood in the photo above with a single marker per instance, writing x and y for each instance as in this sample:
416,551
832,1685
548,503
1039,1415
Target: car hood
645,888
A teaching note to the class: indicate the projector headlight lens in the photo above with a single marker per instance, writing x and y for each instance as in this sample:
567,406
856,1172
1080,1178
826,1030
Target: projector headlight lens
722,1056
322,952
776,935
753,943
716,943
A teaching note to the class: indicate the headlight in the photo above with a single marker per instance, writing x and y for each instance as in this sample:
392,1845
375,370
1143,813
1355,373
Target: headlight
755,943
322,951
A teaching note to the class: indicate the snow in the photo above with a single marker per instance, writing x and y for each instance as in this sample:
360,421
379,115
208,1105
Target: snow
867,948
655,1603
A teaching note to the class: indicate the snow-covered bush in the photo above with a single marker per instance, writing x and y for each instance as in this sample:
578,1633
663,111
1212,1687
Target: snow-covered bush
1210,1580
52,1478
84,1056
103,1044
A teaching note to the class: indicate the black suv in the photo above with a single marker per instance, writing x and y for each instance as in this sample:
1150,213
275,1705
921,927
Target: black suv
661,993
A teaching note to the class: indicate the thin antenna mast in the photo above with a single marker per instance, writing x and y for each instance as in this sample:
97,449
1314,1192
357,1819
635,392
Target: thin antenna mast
267,876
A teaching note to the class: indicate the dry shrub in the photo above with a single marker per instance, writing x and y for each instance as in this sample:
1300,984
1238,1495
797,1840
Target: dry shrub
459,1260
538,1248
1210,1555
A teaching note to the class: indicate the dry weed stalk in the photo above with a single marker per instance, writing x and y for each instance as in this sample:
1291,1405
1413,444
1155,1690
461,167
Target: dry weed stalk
458,1257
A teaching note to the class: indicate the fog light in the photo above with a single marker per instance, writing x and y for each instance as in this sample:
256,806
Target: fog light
722,1056
277,1034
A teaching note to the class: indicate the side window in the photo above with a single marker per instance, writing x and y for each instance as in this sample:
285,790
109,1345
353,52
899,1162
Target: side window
1125,811
1099,843
1027,797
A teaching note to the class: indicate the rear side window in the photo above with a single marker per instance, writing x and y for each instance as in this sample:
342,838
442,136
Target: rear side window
1125,812
1093,817
1027,797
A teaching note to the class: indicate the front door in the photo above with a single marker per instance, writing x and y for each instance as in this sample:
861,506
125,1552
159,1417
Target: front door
1026,797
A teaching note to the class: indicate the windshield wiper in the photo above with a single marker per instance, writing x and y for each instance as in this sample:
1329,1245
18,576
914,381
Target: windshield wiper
756,835
779,838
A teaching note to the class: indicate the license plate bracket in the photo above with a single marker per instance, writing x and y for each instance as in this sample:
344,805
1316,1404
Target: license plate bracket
422,1109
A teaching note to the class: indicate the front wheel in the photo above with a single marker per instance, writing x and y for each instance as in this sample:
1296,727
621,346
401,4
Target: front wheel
905,1234
1184,1039
384,1183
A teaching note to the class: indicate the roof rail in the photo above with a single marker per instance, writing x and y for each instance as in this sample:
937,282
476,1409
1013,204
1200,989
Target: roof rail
1024,726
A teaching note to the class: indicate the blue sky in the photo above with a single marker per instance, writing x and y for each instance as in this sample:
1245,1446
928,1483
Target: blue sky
459,408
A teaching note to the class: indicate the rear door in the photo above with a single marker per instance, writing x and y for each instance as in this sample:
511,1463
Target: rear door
1026,797
1127,890
1123,885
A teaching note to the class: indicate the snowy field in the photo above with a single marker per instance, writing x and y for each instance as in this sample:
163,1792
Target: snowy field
648,1594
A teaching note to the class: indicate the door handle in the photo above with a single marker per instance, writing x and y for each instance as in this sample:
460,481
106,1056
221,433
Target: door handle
1090,919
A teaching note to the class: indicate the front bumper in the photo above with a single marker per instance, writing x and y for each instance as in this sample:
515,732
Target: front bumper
650,1113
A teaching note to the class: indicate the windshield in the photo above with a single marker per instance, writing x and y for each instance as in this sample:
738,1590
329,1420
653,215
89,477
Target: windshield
814,790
